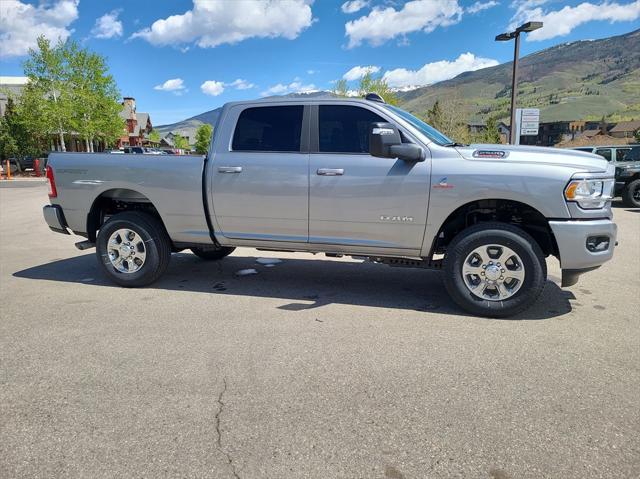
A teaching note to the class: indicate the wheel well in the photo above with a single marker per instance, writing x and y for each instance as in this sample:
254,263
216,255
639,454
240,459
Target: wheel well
115,201
504,211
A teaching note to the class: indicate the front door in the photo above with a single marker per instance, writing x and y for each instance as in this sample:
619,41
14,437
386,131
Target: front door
260,182
356,199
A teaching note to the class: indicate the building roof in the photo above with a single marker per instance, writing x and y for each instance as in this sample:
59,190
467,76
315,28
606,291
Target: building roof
622,126
591,133
126,112
13,81
597,140
142,118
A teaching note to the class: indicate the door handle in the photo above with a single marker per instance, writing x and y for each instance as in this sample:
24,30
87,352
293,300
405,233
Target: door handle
230,169
330,171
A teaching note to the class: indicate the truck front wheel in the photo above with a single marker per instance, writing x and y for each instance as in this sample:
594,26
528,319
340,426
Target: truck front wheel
631,194
133,249
494,270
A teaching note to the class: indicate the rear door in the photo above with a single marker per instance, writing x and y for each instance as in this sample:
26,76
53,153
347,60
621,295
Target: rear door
260,177
356,199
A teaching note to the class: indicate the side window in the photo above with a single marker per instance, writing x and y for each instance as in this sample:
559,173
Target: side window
345,129
633,155
269,128
604,152
621,153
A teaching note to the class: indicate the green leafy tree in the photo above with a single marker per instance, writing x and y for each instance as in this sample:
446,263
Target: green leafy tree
203,137
15,138
368,84
181,142
637,135
70,90
154,137
48,82
95,105
341,88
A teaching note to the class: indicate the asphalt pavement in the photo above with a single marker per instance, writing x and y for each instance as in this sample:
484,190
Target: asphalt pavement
312,367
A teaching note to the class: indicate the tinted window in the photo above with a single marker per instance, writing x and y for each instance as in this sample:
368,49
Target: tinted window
622,154
269,128
345,129
633,155
605,153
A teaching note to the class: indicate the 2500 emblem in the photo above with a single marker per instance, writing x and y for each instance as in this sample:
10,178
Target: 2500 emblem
396,218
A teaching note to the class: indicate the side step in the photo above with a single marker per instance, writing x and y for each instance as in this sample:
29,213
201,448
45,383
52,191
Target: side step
408,262
83,245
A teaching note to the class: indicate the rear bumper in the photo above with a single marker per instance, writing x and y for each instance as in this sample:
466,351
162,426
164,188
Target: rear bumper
54,217
571,237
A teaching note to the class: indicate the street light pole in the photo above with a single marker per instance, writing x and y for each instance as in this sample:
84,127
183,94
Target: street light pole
514,89
527,27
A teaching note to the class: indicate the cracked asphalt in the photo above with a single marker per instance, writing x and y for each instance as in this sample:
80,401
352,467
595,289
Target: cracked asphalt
311,368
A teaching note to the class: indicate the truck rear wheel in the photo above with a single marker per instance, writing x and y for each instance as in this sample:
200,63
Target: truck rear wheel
494,269
133,249
631,194
212,254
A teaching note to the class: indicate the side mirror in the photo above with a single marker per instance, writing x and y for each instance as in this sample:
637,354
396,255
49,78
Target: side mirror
385,142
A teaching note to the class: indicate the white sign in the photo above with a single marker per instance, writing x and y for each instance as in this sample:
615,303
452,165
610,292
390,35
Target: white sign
528,121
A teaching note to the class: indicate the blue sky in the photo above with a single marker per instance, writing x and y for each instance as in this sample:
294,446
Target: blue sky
182,57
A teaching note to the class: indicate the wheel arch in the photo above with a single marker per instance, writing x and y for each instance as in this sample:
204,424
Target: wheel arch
500,210
115,200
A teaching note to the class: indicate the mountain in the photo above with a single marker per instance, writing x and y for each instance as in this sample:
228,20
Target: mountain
582,80
573,81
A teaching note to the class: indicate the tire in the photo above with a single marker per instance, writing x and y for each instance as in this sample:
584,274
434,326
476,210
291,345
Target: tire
149,238
631,194
478,238
212,254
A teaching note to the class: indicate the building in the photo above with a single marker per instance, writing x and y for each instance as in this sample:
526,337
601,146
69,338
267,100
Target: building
478,127
10,87
625,129
138,125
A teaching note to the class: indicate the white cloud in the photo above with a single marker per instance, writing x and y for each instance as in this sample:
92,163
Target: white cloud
108,26
210,24
241,84
562,22
383,24
359,71
212,87
480,6
354,5
295,86
22,23
437,71
175,86
311,72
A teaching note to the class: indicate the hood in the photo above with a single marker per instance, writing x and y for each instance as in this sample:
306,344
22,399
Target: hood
581,160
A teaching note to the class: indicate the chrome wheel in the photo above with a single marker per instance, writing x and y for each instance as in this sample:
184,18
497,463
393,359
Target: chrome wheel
126,251
493,272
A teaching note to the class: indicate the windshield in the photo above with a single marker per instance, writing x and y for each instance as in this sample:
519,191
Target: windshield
426,129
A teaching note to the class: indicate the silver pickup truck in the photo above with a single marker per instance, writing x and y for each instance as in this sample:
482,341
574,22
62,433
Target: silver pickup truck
345,177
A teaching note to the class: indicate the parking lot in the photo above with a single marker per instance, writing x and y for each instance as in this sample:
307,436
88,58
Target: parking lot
310,368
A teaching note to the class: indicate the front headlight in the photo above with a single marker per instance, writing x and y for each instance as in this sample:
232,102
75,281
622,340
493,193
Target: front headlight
590,193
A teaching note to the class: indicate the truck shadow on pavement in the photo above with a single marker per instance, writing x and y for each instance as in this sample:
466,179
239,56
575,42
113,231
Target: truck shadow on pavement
307,283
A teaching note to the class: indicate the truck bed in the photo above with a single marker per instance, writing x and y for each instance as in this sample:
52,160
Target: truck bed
173,184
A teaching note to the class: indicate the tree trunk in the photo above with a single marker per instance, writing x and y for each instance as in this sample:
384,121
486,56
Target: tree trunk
62,145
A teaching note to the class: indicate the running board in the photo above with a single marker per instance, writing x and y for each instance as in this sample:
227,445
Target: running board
83,245
408,262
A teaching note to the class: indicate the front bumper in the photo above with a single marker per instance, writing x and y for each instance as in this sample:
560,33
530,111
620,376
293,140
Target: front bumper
54,217
571,238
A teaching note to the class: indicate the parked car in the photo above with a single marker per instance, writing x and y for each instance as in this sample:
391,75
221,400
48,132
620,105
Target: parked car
626,159
353,177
